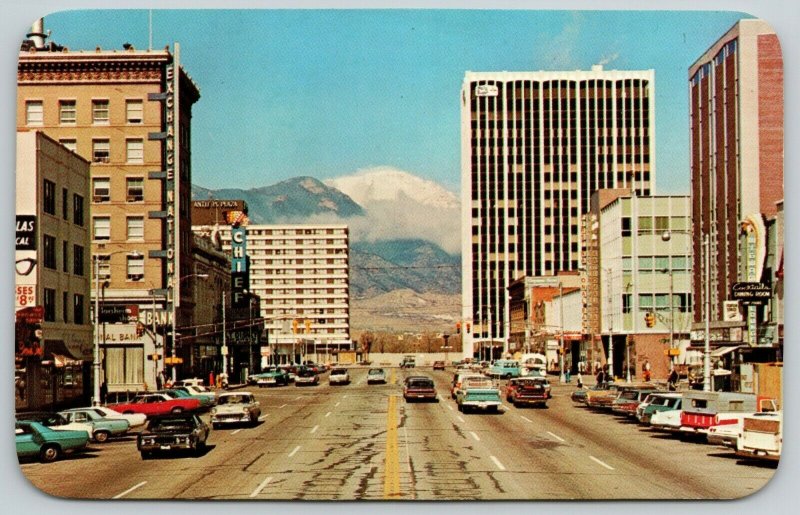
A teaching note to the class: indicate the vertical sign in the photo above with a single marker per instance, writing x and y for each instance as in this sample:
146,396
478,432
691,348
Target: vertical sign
173,178
239,273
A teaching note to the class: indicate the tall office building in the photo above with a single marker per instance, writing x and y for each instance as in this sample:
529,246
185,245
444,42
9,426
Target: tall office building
128,112
535,146
736,137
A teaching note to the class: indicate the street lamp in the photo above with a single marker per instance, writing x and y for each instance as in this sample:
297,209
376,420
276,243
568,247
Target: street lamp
174,317
610,361
96,357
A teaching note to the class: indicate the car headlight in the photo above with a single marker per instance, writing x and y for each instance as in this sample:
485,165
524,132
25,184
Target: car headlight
213,411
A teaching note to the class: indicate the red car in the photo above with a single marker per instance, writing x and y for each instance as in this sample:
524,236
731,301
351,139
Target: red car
419,387
157,404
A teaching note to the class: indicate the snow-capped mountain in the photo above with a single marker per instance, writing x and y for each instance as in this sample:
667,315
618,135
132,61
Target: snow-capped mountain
390,184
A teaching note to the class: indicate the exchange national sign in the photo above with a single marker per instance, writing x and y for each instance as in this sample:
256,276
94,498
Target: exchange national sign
751,293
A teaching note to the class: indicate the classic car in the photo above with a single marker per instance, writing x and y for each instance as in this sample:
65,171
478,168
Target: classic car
458,379
505,368
528,390
306,376
376,375
438,365
604,399
178,431
235,407
419,387
628,400
135,420
655,402
271,376
206,397
194,381
37,440
478,393
408,362
761,437
339,376
702,410
103,428
669,420
55,421
157,404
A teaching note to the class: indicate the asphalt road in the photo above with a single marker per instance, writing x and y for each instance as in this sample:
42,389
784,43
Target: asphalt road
362,441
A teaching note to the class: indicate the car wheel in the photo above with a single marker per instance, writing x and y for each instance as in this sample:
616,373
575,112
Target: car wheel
507,376
146,455
49,453
200,448
215,425
461,408
177,409
101,436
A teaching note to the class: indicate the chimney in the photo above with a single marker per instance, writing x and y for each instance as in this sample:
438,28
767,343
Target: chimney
37,34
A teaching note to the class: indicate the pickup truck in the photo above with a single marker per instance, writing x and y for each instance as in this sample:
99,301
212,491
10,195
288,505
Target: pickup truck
478,393
702,410
761,437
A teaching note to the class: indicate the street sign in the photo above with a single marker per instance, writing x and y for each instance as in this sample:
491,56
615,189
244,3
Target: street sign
173,361
751,292
155,357
224,350
119,314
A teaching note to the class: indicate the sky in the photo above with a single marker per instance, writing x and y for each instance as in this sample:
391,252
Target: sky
327,93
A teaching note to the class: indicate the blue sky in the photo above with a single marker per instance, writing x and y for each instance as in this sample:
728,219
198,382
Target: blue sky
328,92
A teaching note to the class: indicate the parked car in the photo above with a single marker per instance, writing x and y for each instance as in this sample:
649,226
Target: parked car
206,398
135,420
339,376
528,391
305,377
419,388
761,437
103,428
505,368
55,421
376,375
157,404
702,410
458,379
655,402
628,400
438,365
408,362
669,420
271,376
478,393
34,439
235,407
194,381
291,371
179,431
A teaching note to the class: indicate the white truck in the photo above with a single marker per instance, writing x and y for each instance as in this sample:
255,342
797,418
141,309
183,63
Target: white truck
761,437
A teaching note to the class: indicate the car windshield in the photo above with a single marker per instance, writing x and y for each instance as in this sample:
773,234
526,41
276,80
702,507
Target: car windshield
338,371
306,373
234,399
46,419
420,383
171,424
376,371
628,395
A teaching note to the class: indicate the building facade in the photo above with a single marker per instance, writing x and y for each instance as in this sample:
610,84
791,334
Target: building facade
535,146
736,136
54,337
128,112
301,274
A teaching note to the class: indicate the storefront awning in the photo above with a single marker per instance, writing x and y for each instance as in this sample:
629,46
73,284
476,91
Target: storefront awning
721,351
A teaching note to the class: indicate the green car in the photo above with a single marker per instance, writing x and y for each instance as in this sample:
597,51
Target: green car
36,440
272,376
104,427
181,393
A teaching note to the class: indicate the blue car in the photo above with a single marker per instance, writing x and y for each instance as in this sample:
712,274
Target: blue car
37,440
505,368
104,427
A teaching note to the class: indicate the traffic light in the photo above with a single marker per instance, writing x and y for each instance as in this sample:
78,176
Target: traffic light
458,327
468,326
308,326
650,319
294,326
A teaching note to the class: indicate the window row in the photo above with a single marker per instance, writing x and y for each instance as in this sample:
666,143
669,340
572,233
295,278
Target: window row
681,302
134,267
68,112
101,228
134,189
49,201
73,308
50,252
662,264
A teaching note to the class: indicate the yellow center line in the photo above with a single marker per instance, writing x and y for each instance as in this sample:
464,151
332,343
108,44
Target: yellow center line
391,376
391,478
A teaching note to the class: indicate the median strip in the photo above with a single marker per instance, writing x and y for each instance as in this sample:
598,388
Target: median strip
129,490
261,487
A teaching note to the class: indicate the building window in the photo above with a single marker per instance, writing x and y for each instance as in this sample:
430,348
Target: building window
134,110
101,150
34,113
65,256
124,365
77,210
64,204
100,112
135,228
77,260
645,224
103,267
135,268
662,224
65,306
70,144
77,308
662,301
49,251
135,189
49,305
101,189
645,302
679,263
49,196
101,229
134,151
67,112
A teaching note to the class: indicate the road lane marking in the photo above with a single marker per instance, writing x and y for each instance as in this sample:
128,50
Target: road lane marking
337,404
523,417
461,419
261,487
314,430
475,436
449,407
391,477
328,414
298,397
294,451
609,467
233,433
344,397
262,417
129,490
497,462
282,406
556,437
391,376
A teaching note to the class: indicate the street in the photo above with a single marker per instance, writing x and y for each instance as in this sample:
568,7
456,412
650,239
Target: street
363,441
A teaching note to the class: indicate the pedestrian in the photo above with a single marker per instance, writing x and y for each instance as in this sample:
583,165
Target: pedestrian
103,392
568,374
211,382
672,380
580,379
159,379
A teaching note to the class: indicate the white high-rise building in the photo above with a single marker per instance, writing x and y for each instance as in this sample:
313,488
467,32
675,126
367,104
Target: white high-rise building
535,146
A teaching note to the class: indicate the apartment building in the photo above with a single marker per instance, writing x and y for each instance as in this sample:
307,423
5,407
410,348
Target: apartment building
535,146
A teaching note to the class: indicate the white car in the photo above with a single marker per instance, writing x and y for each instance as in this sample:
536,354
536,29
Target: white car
195,381
135,420
376,375
339,376
666,420
235,407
